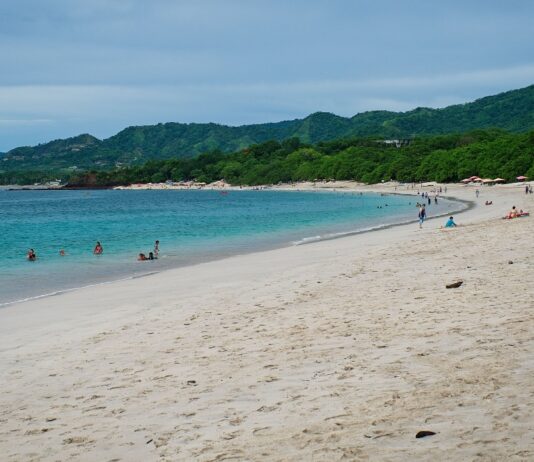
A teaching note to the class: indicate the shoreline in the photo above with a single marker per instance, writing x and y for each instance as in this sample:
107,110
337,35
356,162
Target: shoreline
327,187
343,349
304,240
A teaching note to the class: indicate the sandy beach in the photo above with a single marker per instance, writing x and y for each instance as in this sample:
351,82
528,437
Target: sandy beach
336,350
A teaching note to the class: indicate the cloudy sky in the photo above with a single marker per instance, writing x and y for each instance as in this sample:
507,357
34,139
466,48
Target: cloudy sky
80,66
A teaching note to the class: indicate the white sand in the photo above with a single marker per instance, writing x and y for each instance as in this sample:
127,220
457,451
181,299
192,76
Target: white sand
337,350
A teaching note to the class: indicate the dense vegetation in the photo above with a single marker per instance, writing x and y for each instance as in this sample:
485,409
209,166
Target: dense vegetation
443,158
512,111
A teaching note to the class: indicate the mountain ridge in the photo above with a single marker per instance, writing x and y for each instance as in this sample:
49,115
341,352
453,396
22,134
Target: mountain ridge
512,111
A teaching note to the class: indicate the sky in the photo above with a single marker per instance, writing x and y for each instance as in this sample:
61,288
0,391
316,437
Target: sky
78,66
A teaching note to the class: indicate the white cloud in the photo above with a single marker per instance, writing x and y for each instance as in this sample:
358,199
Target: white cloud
24,122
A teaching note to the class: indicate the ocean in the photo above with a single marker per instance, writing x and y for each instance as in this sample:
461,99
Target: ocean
192,227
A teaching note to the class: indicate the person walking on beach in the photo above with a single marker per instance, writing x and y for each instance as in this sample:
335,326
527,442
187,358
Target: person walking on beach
477,192
98,250
422,215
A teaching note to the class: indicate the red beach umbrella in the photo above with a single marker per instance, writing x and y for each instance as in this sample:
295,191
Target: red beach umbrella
521,178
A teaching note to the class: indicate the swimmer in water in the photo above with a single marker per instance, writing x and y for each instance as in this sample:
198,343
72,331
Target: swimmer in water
98,250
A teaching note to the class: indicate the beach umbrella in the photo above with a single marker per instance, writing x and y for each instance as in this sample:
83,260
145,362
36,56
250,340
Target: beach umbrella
466,180
499,180
521,178
488,180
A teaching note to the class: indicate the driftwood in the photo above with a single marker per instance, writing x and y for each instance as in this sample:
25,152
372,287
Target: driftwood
454,285
424,433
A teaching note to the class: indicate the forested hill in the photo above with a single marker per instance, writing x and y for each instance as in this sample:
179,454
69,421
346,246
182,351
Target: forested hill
512,111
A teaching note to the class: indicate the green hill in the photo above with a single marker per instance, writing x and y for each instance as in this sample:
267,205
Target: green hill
489,153
512,111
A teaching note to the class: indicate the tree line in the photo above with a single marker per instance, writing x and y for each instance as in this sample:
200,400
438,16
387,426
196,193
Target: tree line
444,158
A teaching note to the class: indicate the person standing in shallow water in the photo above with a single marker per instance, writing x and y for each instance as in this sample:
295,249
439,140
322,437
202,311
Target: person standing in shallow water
156,249
98,250
31,255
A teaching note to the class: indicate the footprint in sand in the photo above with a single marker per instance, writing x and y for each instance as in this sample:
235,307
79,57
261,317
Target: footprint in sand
77,440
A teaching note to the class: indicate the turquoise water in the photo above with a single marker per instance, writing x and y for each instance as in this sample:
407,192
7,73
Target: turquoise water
191,226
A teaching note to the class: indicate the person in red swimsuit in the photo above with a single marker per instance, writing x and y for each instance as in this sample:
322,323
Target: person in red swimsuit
99,250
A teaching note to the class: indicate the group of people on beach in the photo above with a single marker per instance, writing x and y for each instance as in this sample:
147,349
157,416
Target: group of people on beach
513,213
99,250
422,215
427,200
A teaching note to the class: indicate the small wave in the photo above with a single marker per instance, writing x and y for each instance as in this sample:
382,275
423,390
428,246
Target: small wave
306,240
329,236
72,289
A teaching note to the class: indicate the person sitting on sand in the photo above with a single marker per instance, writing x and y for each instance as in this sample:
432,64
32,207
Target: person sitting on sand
31,255
513,213
450,223
141,257
489,202
99,250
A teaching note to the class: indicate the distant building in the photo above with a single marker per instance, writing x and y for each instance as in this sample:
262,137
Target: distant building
396,143
53,183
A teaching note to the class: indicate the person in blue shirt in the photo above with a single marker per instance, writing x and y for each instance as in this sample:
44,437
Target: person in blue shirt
450,223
